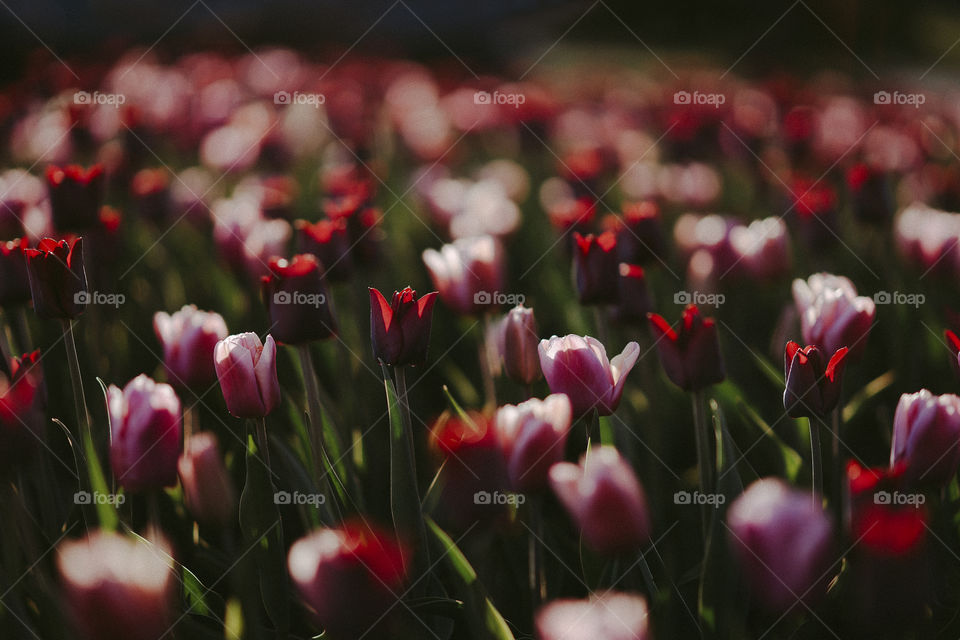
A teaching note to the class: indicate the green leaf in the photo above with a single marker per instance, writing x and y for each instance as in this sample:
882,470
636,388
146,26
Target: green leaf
106,512
194,592
870,390
792,460
233,620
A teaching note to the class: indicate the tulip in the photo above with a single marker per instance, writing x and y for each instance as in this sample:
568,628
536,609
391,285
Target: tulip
329,241
400,330
21,404
782,542
296,293
926,437
596,268
533,435
608,616
58,282
207,489
14,280
188,338
634,295
953,343
640,236
579,368
150,189
832,315
812,390
516,340
145,427
75,196
605,500
690,355
116,587
247,371
348,578
873,197
467,273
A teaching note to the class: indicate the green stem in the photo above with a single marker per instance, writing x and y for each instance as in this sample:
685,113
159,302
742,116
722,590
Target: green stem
263,443
836,493
647,577
409,453
483,351
76,379
704,462
816,460
322,465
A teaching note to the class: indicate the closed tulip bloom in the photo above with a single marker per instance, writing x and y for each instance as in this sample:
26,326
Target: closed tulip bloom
690,355
247,370
207,489
517,339
634,297
188,338
21,410
75,196
329,241
467,273
640,236
348,578
301,310
117,587
579,368
400,329
58,283
14,281
605,500
607,616
783,543
832,315
596,268
533,435
926,437
145,426
812,389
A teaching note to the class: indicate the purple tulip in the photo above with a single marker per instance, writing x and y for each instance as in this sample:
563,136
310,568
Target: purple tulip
832,315
516,341
604,616
926,437
207,489
579,368
532,436
247,371
467,273
189,337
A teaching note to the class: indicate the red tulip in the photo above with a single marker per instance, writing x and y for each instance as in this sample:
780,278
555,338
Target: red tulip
301,310
58,282
596,268
533,435
812,390
75,196
247,371
926,437
604,616
21,400
690,355
579,368
400,330
207,490
14,280
188,338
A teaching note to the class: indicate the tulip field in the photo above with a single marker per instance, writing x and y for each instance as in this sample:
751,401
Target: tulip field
367,348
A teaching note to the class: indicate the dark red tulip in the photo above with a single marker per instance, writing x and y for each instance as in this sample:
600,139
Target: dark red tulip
400,330
330,242
14,281
75,196
635,301
691,355
596,268
21,403
872,195
296,295
640,236
812,389
150,189
58,282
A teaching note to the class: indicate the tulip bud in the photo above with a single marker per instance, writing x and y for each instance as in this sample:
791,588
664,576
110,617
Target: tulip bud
640,237
690,355
832,315
188,338
467,273
207,489
400,330
329,241
349,578
301,310
14,280
596,268
783,543
117,588
533,435
635,301
247,371
517,341
145,426
150,189
75,196
812,390
58,283
607,616
579,368
926,437
21,404
604,498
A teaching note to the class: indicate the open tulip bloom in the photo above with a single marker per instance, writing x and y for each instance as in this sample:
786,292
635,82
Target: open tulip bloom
578,367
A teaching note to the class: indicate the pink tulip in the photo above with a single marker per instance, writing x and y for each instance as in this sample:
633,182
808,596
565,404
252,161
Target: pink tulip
516,340
467,273
832,315
926,437
207,490
604,616
604,498
247,371
188,337
783,542
579,368
145,422
532,436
